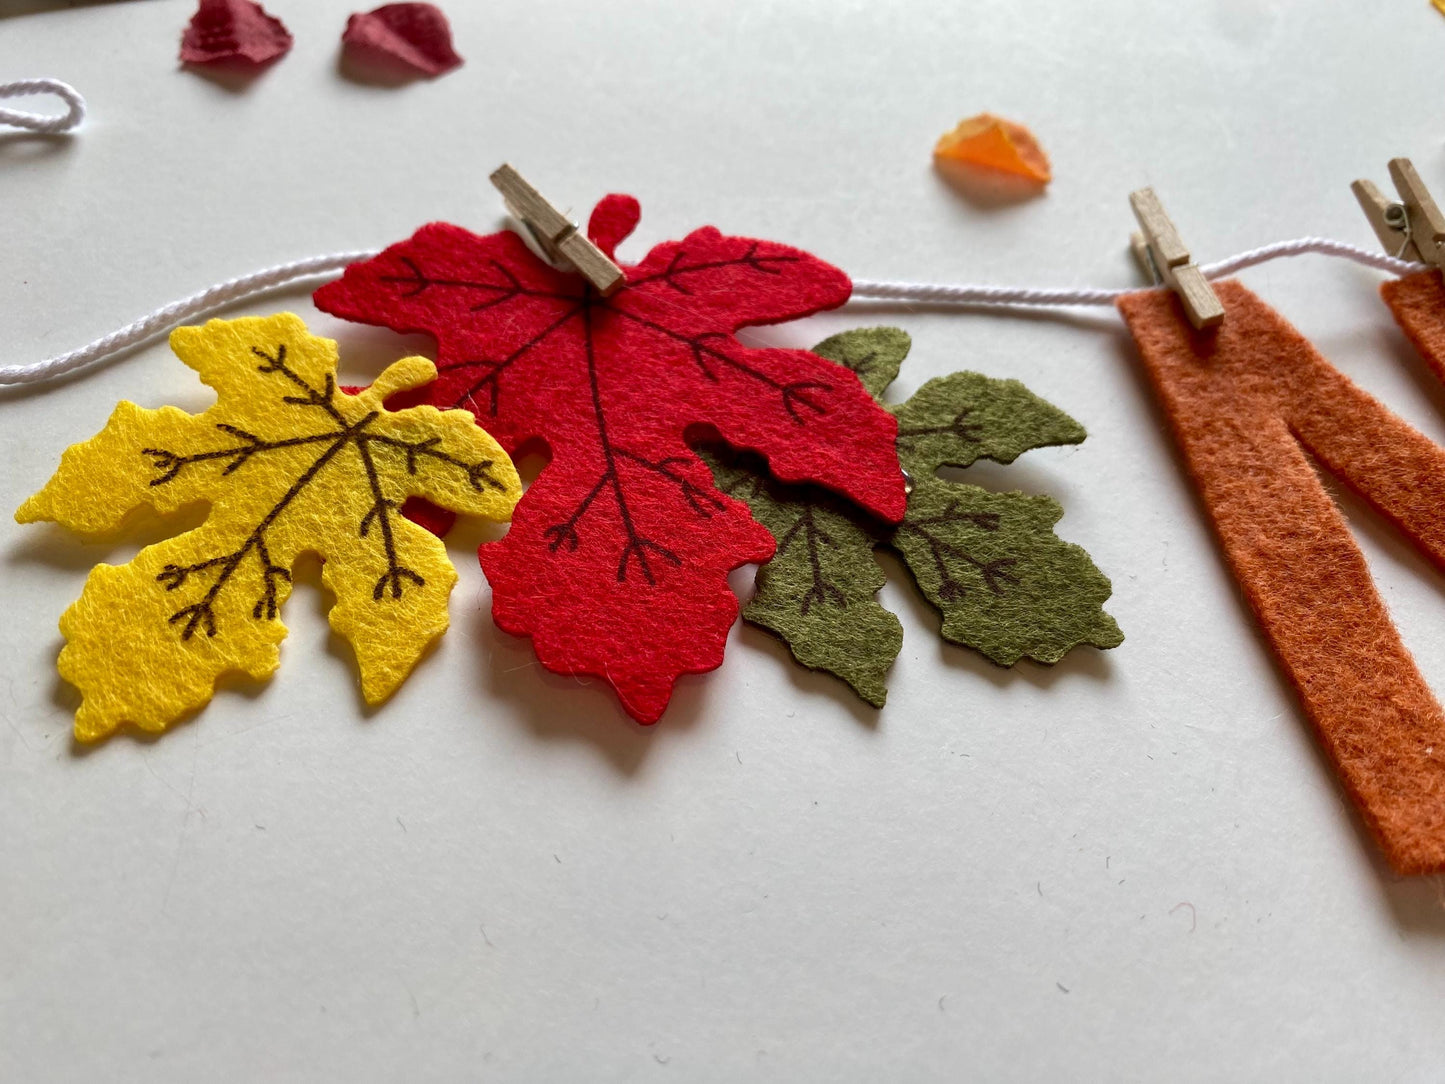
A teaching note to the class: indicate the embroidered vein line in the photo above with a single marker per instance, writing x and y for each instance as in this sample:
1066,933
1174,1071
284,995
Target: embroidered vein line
995,573
639,553
201,615
638,549
822,591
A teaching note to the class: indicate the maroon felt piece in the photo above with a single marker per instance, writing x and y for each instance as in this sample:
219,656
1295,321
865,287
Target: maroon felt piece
233,30
413,36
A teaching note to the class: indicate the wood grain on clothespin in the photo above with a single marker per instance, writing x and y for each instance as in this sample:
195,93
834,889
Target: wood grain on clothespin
1410,228
1161,252
558,237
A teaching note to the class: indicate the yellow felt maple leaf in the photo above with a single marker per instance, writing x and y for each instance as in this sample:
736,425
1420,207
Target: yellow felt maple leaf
289,465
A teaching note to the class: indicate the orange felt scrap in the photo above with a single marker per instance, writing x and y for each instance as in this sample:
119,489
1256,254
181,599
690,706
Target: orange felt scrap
1245,402
995,143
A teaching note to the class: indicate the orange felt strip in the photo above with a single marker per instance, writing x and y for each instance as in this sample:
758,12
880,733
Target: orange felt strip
1418,302
1241,401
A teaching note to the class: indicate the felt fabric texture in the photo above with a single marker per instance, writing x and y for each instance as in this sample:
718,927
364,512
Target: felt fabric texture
289,465
995,143
818,591
416,37
233,30
616,562
1003,582
874,354
1418,303
1244,402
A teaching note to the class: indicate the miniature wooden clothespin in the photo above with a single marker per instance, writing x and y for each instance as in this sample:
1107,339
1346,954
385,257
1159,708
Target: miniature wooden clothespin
1410,228
1161,253
559,238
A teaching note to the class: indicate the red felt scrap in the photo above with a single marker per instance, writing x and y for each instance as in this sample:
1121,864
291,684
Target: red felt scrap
415,36
616,562
233,30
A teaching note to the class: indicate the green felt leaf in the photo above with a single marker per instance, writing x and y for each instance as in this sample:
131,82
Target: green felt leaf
874,353
954,420
817,593
1004,583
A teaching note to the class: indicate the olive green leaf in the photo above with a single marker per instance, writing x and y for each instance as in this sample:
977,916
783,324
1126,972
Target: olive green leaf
818,592
875,354
954,420
1004,583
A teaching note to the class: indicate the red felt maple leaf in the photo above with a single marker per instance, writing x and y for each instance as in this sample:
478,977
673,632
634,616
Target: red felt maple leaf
617,558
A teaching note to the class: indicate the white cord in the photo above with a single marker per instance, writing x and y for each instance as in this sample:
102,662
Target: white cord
42,122
274,278
162,320
1015,297
1303,246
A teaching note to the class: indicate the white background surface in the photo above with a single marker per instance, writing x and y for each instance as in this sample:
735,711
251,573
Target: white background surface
1131,866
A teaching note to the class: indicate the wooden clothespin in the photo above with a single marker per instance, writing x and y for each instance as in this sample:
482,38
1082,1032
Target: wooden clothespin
558,237
1410,228
1161,253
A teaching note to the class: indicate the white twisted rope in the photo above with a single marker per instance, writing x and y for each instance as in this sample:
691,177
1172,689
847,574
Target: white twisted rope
225,293
1303,247
1013,297
44,123
157,323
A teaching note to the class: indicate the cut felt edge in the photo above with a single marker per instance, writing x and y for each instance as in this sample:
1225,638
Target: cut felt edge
889,509
867,678
645,702
93,724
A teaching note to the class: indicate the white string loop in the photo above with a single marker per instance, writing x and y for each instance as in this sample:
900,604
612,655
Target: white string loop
226,293
43,123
